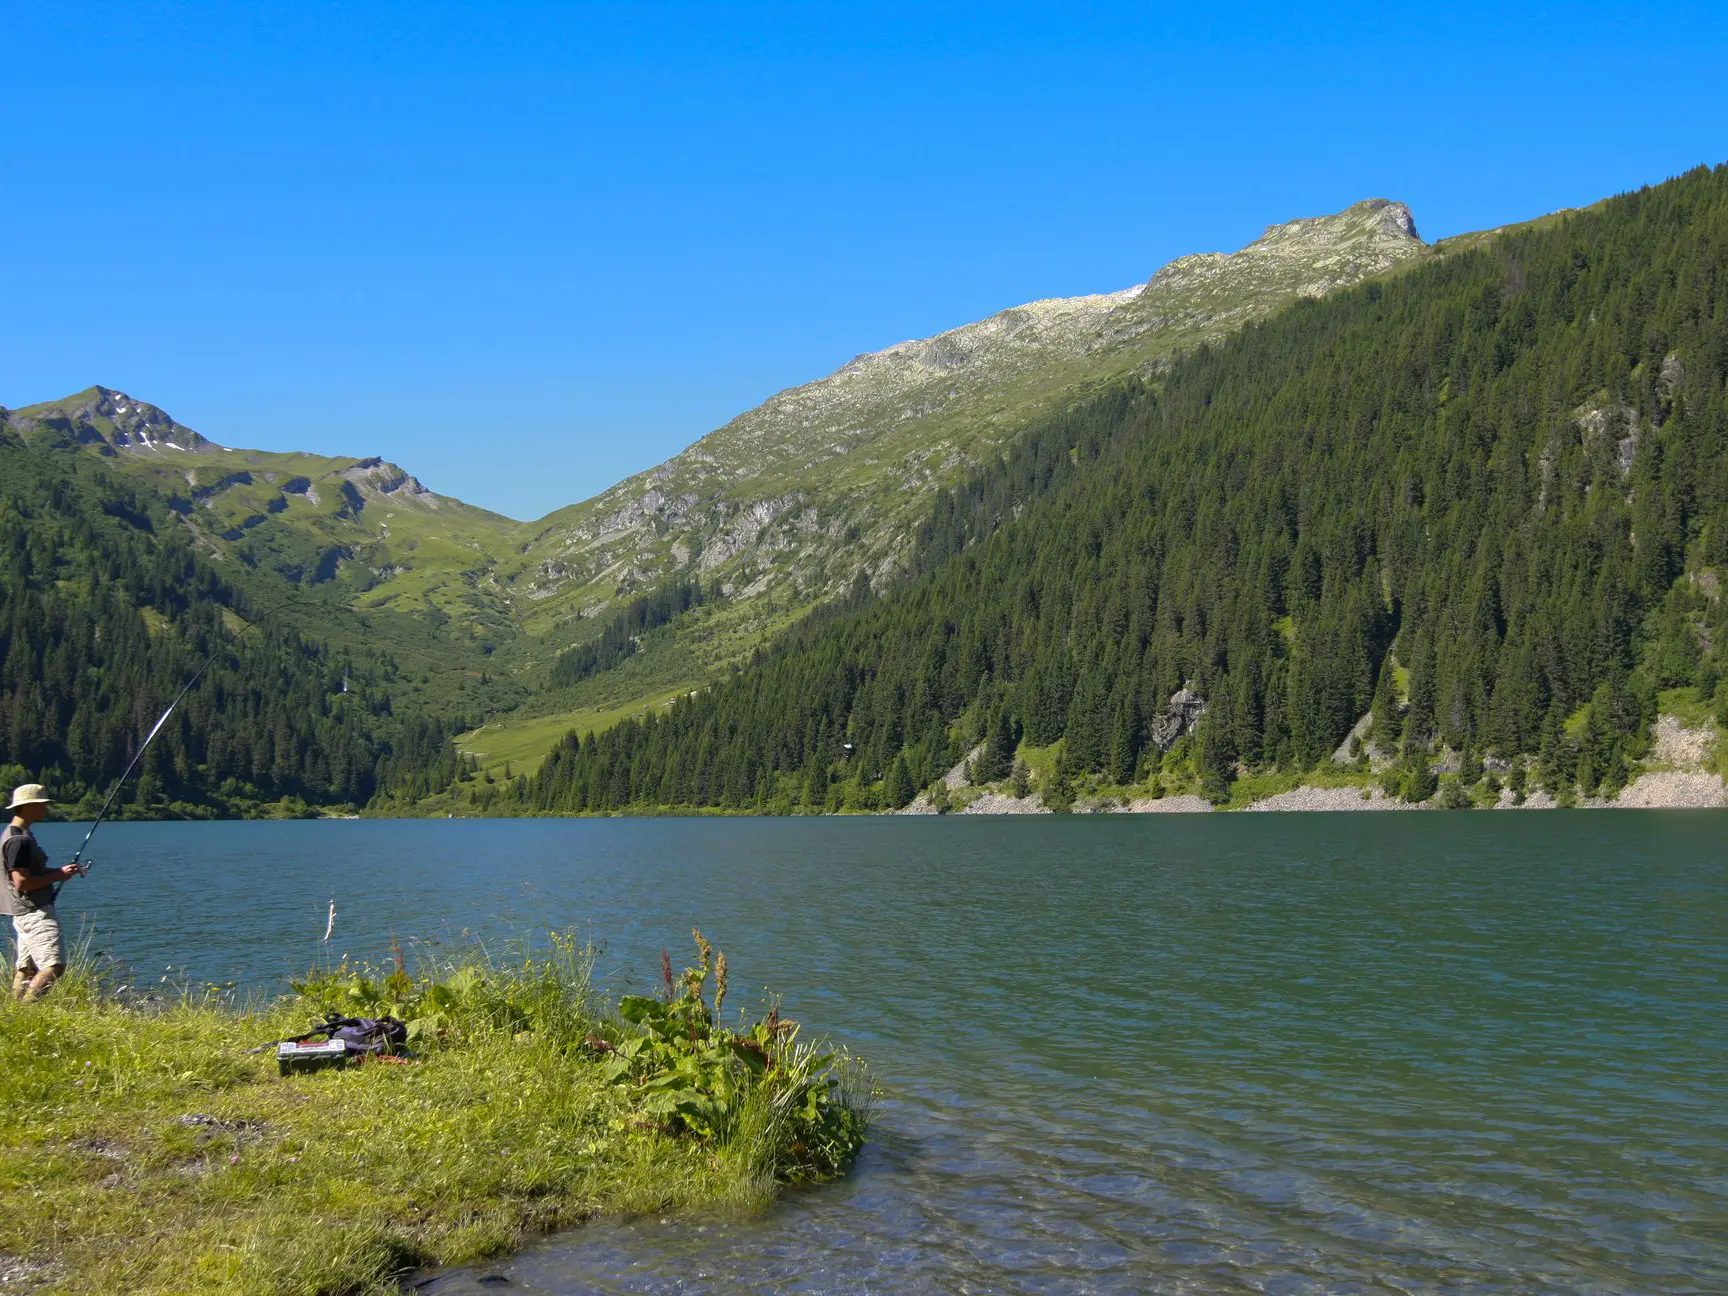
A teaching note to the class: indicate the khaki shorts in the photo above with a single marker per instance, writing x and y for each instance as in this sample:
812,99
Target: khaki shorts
39,943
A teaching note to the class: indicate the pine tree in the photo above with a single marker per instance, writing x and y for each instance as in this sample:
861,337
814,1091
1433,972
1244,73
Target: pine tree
898,788
1124,742
993,763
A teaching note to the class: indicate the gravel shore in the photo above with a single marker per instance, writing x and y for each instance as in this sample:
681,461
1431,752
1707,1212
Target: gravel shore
1170,805
1330,798
998,803
1682,786
1672,789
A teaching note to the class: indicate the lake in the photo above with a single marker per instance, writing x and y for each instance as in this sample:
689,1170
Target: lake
1435,1053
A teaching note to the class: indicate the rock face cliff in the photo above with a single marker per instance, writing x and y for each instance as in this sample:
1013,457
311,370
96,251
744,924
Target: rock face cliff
823,480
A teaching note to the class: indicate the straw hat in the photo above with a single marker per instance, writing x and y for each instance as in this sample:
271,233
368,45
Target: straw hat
29,794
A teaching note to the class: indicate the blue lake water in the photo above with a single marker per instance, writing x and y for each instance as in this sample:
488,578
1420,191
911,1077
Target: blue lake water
1423,1053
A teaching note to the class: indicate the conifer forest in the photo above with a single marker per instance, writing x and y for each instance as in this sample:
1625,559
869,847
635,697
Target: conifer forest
1483,501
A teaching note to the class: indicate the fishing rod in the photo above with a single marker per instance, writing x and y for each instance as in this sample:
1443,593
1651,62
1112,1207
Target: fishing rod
227,642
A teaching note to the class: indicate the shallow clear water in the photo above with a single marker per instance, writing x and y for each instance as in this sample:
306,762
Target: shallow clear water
1281,1053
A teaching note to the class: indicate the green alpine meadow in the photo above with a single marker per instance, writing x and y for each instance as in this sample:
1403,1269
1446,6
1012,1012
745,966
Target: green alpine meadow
1341,519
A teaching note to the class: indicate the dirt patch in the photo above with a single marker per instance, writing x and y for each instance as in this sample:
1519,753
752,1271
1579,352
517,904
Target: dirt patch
20,1275
210,1127
101,1147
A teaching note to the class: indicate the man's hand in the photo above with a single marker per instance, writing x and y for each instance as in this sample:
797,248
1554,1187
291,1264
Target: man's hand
72,870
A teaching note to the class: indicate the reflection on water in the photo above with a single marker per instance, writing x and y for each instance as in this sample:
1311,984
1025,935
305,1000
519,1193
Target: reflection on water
1288,1054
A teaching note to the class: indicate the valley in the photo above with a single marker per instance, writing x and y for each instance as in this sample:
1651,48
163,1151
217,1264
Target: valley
780,509
844,488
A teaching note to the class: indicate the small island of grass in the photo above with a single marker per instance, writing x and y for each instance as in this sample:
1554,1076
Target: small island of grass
148,1150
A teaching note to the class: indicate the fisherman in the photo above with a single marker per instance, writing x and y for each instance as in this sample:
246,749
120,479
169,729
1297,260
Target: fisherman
30,895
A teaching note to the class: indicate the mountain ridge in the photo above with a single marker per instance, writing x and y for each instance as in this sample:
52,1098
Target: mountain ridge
365,522
775,511
754,503
746,489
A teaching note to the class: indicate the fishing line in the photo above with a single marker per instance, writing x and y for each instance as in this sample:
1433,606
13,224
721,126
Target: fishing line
231,636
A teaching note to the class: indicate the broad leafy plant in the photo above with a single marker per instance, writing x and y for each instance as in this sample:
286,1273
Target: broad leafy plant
795,1104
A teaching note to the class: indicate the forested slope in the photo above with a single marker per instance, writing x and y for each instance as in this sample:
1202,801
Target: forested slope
107,611
1487,498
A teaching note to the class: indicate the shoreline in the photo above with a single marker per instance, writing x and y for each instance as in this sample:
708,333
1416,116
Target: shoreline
1677,777
1663,790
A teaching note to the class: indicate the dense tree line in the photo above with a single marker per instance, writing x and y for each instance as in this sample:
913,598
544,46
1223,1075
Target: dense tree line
108,611
622,634
1485,501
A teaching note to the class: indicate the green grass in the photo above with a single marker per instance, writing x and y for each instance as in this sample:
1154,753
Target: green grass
523,741
1687,705
157,1156
673,661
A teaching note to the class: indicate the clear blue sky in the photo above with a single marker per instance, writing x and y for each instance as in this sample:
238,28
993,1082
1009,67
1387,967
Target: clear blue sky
527,249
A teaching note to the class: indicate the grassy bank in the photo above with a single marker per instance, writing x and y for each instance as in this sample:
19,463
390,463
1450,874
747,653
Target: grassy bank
146,1150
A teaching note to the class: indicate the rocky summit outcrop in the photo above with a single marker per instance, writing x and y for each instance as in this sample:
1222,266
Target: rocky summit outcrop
110,422
1181,714
823,479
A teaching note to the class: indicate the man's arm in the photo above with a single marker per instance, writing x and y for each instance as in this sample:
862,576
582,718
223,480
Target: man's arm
24,880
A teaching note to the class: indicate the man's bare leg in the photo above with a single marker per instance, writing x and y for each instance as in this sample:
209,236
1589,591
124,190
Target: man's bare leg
43,982
20,983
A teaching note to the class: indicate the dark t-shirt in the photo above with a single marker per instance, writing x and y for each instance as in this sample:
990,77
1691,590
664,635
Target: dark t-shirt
21,852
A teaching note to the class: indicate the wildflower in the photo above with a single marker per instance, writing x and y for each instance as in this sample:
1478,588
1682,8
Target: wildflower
719,983
234,1160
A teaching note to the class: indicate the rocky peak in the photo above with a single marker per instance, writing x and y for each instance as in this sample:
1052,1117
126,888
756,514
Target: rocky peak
378,479
1371,218
1309,257
116,422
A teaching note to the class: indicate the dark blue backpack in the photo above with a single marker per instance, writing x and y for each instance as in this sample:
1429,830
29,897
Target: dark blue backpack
368,1036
